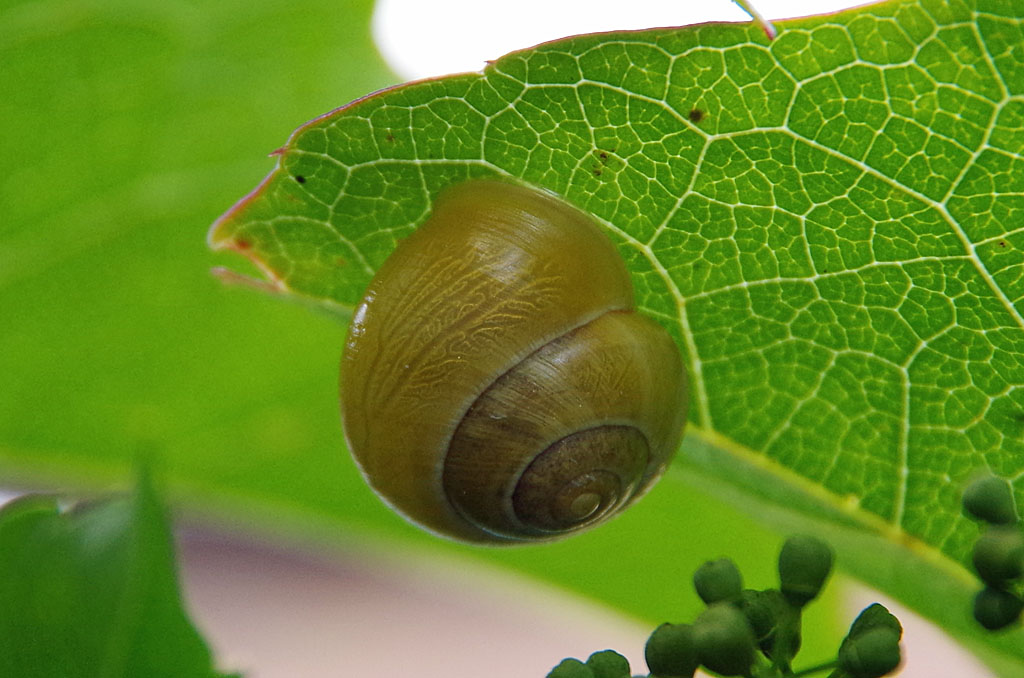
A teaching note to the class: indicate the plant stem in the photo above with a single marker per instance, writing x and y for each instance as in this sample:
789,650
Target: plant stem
765,25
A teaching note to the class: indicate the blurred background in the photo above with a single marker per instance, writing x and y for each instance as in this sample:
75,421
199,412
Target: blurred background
128,126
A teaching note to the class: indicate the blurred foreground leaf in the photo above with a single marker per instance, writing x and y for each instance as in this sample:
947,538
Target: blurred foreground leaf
92,592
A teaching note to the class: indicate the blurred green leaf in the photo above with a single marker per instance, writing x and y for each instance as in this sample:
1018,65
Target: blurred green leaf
828,223
92,591
132,121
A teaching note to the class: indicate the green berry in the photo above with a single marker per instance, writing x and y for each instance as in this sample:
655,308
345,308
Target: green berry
571,668
996,609
671,651
990,499
804,565
875,616
724,639
718,580
873,653
763,609
999,555
608,664
774,621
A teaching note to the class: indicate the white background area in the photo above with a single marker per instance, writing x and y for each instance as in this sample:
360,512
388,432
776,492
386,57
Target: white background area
423,38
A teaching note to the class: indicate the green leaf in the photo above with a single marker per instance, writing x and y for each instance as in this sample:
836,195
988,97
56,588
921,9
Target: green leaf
829,223
92,591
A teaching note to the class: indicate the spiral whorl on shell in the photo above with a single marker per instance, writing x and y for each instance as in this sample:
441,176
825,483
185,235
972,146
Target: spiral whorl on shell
497,384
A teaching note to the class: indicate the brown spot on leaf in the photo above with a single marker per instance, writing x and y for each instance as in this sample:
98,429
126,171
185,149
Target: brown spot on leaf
299,178
696,115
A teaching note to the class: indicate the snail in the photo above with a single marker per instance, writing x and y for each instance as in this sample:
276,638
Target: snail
497,384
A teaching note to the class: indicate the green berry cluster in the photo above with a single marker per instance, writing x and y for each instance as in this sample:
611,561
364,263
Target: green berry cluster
998,554
604,664
755,634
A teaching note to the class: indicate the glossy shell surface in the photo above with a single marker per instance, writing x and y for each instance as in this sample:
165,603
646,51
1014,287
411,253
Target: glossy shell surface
497,385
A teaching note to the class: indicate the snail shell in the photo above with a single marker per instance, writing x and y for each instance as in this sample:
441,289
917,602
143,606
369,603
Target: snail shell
497,384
